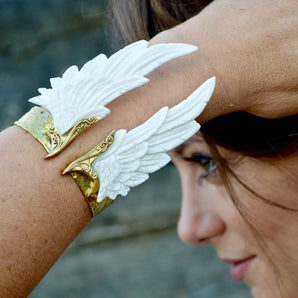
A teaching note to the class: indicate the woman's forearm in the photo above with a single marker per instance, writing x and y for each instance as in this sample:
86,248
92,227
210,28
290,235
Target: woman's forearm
42,211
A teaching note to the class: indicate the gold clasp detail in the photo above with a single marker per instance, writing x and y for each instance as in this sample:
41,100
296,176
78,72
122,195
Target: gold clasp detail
40,124
59,142
84,163
86,177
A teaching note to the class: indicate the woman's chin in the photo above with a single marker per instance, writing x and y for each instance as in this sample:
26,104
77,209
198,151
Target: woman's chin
256,281
265,292
258,292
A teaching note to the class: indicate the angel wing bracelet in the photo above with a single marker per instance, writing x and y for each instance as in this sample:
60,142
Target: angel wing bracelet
77,100
123,159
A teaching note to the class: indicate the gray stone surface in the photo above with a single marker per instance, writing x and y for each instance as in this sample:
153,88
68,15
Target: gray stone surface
131,249
39,40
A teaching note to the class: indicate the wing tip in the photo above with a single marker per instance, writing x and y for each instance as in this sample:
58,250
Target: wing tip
210,86
206,89
184,48
36,100
211,82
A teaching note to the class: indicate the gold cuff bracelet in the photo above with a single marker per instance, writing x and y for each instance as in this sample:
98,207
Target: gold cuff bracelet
40,124
86,177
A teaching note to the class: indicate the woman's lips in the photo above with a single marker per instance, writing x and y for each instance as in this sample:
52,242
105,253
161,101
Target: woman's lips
239,267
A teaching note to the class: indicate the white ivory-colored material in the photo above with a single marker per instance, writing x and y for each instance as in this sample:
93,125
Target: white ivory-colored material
80,94
141,151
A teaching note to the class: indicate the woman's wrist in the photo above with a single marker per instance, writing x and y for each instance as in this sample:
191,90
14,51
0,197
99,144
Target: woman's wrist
252,55
195,68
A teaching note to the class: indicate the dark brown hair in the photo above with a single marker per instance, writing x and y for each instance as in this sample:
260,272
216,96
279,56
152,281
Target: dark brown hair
142,19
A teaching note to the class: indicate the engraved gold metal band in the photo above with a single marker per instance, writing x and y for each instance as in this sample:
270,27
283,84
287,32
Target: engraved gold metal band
40,124
86,178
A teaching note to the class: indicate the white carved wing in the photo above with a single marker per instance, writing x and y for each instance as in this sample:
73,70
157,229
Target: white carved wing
79,94
141,151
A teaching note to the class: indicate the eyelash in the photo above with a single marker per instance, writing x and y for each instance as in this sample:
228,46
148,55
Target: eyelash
205,161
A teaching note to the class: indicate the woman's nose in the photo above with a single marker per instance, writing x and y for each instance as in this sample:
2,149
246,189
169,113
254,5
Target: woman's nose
199,224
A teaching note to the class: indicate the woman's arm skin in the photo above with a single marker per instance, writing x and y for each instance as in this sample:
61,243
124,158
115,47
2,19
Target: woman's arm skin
248,45
41,213
252,48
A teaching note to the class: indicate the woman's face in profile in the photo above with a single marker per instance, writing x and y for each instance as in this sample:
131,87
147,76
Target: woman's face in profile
262,255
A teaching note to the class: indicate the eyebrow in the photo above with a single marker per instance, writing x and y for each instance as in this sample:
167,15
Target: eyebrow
197,138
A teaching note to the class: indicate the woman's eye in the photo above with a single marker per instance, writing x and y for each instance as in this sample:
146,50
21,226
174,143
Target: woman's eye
205,161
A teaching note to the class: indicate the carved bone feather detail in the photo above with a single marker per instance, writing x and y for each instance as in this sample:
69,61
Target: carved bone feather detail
141,151
81,94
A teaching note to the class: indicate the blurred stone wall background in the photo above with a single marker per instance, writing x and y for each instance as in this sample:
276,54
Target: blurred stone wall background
131,249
